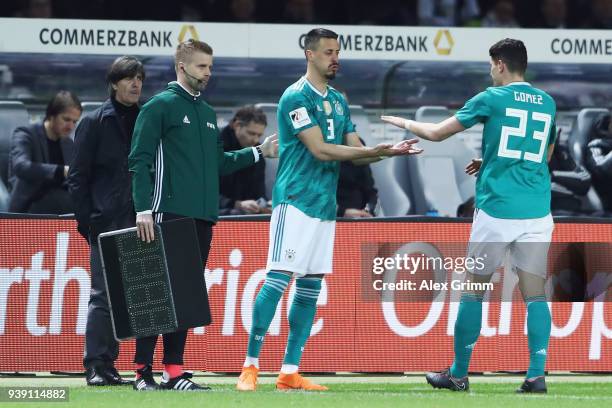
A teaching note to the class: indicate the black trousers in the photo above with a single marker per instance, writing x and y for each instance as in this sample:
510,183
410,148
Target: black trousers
174,343
101,347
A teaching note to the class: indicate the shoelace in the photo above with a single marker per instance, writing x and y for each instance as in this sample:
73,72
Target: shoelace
249,375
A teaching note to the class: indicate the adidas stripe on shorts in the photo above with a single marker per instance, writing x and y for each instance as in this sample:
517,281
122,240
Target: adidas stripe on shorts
299,243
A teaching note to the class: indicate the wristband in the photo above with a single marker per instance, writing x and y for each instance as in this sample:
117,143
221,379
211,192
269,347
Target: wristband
259,151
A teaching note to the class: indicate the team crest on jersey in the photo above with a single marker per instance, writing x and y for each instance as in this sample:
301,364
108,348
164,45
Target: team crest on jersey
339,108
327,107
290,255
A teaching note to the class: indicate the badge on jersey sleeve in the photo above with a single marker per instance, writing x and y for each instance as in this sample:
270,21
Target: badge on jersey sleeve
299,117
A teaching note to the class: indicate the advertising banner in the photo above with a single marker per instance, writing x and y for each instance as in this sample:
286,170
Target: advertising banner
45,285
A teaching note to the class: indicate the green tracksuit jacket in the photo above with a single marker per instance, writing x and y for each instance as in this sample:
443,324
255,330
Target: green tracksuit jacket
176,134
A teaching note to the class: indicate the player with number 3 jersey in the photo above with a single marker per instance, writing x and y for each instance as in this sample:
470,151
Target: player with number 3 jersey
315,133
512,203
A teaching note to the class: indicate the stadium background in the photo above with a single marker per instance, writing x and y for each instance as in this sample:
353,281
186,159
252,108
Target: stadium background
41,326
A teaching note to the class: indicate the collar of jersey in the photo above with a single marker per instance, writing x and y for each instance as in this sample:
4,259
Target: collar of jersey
185,89
315,89
519,83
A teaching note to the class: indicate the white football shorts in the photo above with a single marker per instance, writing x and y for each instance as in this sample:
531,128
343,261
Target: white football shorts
525,241
299,243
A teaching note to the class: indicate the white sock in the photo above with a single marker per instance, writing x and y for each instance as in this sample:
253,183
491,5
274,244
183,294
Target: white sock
289,369
249,361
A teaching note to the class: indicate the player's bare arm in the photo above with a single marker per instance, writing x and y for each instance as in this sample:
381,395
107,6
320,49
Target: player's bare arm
313,140
352,139
435,132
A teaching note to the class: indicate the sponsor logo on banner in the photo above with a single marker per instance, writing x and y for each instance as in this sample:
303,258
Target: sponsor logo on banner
89,37
444,42
248,40
188,29
379,42
581,46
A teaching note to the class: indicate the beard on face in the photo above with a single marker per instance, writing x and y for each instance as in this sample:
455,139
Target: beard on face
197,85
330,76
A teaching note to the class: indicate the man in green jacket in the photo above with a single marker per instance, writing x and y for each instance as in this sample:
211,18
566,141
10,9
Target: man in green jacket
176,133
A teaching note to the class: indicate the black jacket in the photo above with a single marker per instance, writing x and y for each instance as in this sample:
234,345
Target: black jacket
598,160
569,181
355,188
245,184
98,180
29,169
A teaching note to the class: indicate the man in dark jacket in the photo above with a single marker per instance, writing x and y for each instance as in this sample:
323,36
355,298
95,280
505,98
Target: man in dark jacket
100,186
244,191
39,159
176,132
570,181
356,194
598,160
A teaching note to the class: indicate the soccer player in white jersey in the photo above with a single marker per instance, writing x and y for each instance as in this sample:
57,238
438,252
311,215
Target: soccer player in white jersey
512,203
315,133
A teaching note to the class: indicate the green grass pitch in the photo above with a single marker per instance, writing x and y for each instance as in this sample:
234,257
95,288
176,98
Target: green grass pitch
353,392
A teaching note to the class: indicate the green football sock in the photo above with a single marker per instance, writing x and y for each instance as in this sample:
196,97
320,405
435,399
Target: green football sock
467,330
301,316
265,307
538,334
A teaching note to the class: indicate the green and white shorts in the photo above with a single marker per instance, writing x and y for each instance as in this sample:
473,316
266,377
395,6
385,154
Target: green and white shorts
299,243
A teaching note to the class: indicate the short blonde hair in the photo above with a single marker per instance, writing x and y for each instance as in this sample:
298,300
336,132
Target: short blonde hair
185,50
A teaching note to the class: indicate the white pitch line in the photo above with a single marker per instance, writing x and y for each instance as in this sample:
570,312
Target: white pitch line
269,378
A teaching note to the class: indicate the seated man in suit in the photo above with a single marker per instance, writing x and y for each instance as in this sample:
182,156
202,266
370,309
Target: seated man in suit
356,195
244,192
39,159
598,160
570,181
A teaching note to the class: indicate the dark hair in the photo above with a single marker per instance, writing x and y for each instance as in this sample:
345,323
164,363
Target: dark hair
124,67
311,42
62,101
186,48
512,52
248,114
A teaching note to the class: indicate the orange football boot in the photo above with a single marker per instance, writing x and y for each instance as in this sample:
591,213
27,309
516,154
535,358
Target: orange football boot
296,382
248,379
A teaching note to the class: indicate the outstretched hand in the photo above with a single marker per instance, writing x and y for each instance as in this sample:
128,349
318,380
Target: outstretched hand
403,148
395,121
473,167
269,147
